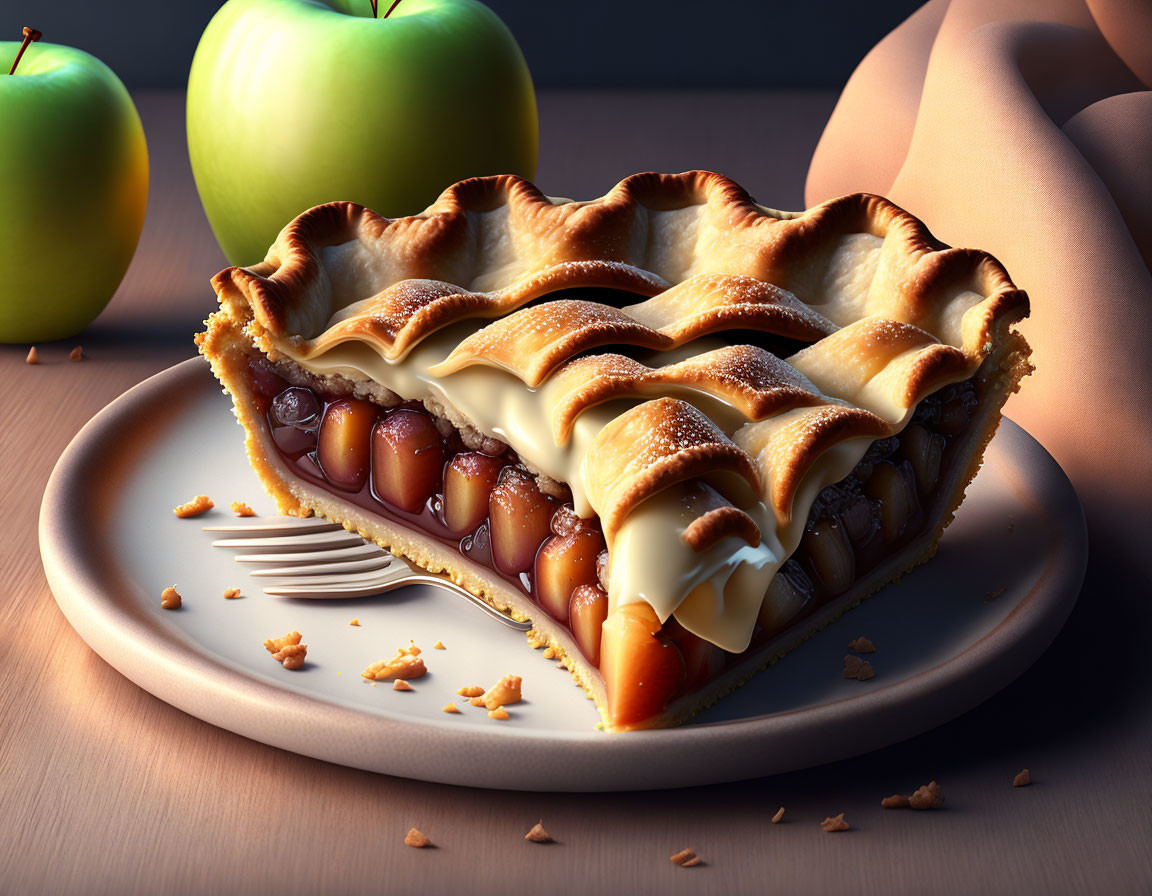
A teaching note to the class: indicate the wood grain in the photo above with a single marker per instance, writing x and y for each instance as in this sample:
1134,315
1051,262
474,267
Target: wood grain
105,789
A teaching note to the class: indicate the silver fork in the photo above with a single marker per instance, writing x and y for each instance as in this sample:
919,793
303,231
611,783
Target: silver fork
314,558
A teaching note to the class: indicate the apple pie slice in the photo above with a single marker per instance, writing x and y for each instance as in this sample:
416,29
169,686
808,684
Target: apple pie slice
676,430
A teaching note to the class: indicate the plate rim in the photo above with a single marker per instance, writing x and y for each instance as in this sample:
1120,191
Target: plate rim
222,695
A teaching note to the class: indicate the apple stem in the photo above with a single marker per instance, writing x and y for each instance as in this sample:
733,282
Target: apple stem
31,35
375,14
395,3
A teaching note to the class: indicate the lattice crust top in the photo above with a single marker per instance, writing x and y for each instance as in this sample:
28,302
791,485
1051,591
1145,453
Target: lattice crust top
887,313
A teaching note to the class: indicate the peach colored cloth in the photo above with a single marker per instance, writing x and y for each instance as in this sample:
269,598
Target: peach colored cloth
1024,127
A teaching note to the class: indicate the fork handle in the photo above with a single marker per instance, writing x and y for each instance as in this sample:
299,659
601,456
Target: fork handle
427,578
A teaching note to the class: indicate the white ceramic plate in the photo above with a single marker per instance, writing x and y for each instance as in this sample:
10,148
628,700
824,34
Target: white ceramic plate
948,636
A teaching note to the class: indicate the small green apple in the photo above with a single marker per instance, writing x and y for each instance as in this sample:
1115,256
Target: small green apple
73,190
293,103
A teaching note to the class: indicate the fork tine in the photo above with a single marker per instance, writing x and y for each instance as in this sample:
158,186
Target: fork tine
310,551
295,543
370,590
330,555
375,562
313,580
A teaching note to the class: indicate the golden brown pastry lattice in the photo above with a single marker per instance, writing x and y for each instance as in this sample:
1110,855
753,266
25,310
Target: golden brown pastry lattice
887,313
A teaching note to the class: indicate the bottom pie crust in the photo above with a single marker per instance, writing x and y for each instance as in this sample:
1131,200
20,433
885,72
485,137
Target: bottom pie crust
229,353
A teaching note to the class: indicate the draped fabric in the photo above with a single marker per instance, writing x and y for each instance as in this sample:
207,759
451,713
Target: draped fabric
1024,127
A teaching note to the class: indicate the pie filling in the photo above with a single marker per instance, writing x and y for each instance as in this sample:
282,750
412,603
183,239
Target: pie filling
412,468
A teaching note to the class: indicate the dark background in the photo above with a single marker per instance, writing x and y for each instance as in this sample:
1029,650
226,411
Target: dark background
585,43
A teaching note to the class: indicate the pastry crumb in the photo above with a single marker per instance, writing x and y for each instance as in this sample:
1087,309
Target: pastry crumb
499,713
241,509
355,621
77,354
834,824
439,645
401,685
231,594
291,656
473,690
198,505
862,645
417,839
33,356
1023,779
930,796
686,858
779,816
273,645
406,664
170,599
451,707
549,653
854,667
538,834
896,801
504,693
287,650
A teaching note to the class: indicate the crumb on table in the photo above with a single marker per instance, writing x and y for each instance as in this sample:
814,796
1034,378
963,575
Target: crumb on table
170,598
241,509
834,824
232,594
1023,779
451,707
401,685
779,816
896,801
538,834
439,645
355,621
33,356
930,796
499,713
416,839
472,690
198,505
77,354
686,858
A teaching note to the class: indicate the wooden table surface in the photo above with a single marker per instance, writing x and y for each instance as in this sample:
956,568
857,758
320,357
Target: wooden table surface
105,789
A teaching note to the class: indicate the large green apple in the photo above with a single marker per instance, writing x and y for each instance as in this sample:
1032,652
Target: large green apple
73,190
292,103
